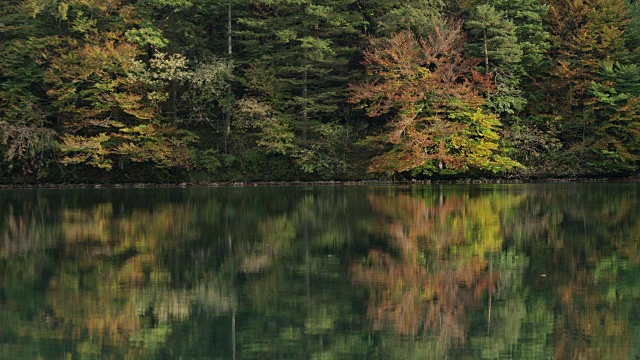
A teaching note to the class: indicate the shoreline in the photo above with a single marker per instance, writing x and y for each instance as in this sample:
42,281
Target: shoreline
313,183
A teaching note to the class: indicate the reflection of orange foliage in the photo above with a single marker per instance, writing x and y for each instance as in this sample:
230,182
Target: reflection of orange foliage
113,258
93,310
416,220
110,234
23,230
441,269
590,254
414,300
591,327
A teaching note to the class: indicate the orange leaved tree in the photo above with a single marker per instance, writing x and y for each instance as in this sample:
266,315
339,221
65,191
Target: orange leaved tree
432,95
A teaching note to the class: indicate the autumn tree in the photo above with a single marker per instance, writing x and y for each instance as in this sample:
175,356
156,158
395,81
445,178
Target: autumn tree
107,114
431,94
587,36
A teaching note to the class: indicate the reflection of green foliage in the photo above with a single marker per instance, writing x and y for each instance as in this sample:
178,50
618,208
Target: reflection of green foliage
151,339
586,257
506,328
320,321
88,350
610,268
422,349
506,322
537,329
510,267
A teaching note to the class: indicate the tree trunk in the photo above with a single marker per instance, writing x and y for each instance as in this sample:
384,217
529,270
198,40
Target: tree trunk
486,53
486,58
305,103
227,113
174,102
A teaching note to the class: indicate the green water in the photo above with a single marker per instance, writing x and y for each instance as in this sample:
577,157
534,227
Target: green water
427,272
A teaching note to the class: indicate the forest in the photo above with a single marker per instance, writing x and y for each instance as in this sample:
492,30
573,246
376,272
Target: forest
203,91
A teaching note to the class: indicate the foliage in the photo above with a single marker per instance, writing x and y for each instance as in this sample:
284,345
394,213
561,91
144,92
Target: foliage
387,17
591,41
497,44
616,143
273,135
537,147
330,156
430,90
30,146
110,88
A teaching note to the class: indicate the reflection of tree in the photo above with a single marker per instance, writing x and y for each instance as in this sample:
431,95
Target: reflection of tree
508,271
27,234
92,275
593,270
511,316
438,265
107,261
25,227
582,244
301,306
143,272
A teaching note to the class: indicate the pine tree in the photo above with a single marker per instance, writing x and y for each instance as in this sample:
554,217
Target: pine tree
615,110
301,49
296,59
533,36
495,41
387,17
632,31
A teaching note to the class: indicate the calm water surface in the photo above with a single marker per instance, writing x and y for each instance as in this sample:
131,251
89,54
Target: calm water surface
424,272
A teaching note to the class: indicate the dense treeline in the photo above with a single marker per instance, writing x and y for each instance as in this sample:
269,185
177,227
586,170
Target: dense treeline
213,90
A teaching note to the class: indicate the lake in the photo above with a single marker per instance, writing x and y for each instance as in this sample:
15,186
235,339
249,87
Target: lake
518,271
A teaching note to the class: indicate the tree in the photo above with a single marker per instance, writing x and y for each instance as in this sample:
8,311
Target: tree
28,143
528,17
431,93
107,114
298,53
632,30
586,36
615,109
383,18
516,42
497,44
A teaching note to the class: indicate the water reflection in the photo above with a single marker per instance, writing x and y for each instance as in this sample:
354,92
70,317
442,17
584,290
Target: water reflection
500,271
443,263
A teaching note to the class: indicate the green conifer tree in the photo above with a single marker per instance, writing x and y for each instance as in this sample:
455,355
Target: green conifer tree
494,40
